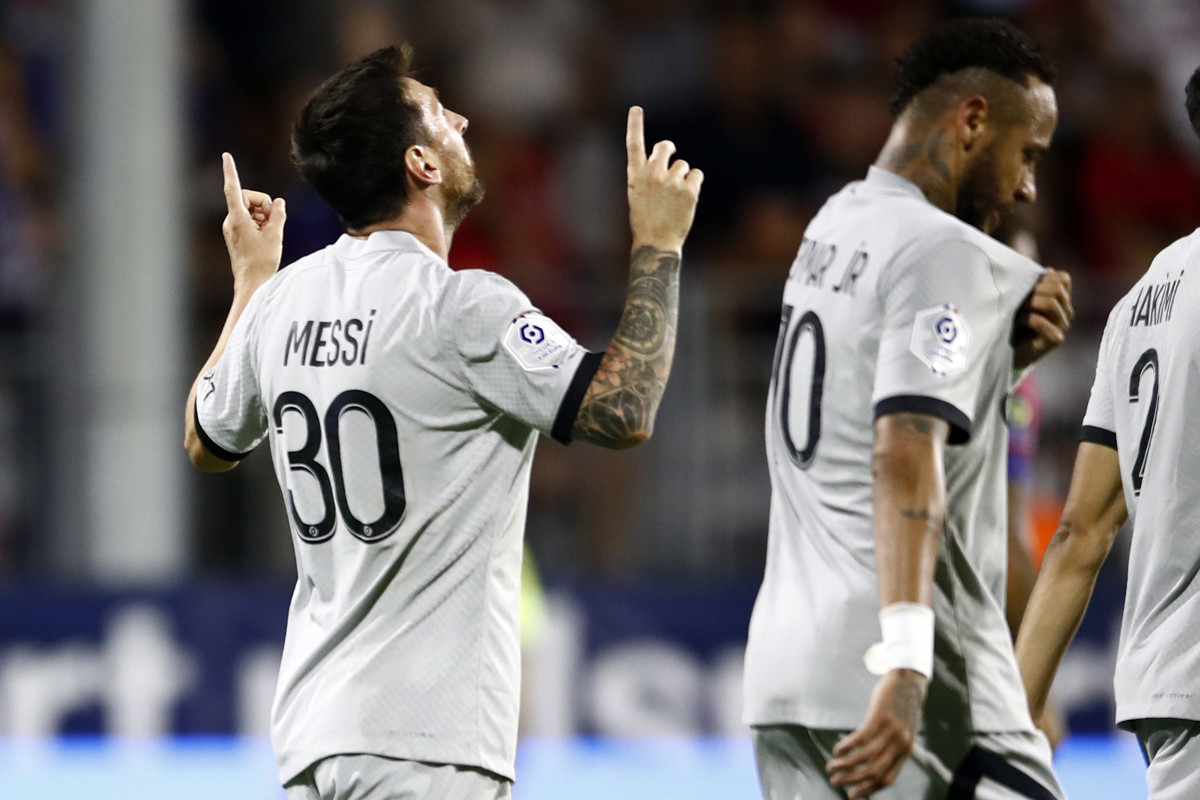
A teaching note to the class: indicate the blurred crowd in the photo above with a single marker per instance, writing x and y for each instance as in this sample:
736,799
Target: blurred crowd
780,102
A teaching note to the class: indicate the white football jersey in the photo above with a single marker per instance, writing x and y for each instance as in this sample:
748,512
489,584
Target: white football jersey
402,401
891,305
1147,377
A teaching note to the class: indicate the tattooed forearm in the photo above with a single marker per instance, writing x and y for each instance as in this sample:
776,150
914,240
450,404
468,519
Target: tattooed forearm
935,523
622,400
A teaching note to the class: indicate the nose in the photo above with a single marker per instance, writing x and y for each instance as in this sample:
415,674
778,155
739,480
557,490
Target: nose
1027,188
459,122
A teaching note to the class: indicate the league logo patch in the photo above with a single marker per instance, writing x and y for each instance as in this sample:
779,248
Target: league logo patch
940,339
536,342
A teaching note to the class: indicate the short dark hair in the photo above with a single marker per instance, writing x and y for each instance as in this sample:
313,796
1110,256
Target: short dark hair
350,139
995,45
1192,103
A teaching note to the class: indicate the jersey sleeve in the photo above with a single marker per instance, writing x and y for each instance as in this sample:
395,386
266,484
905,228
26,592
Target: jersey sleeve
1099,422
515,359
942,316
230,418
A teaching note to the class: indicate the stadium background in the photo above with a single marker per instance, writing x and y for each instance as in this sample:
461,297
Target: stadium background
142,606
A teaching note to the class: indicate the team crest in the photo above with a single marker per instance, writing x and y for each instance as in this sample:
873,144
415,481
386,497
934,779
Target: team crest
940,339
537,342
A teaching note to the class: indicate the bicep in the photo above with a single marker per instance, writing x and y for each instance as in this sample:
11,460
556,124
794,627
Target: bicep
510,357
911,437
908,468
940,324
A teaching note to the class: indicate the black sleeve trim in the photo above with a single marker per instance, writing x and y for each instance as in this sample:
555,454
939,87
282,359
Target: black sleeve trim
1090,433
211,446
960,423
564,421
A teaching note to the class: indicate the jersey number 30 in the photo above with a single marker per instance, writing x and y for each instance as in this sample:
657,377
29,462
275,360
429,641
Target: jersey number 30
305,460
786,365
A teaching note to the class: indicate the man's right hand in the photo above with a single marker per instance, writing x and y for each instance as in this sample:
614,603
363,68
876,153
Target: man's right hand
1043,319
253,230
662,195
870,758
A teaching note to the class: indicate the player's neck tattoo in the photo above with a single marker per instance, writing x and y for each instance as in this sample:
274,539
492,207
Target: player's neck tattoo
623,398
923,161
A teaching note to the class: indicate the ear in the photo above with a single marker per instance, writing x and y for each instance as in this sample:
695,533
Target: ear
423,165
972,120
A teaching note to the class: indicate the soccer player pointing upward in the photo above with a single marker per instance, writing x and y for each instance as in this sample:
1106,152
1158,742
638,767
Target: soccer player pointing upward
879,661
402,402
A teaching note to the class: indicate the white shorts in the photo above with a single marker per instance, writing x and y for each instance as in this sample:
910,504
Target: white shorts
986,766
367,777
1171,748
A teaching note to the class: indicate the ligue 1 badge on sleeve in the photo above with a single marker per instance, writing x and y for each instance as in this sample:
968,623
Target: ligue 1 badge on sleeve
536,342
940,339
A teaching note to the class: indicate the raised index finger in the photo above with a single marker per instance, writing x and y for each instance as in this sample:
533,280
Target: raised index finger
635,137
233,186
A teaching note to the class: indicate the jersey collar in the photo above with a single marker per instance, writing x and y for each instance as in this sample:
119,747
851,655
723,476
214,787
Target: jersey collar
381,241
880,178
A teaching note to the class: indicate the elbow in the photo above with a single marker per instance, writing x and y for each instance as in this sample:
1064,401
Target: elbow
627,440
633,439
202,459
195,450
1086,548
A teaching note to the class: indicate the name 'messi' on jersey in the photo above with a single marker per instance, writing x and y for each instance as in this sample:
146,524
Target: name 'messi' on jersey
327,343
1154,303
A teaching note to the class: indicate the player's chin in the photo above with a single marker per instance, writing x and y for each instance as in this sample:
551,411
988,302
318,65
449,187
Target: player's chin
993,221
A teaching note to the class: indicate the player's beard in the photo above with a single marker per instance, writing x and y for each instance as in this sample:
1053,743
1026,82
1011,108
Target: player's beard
979,196
461,191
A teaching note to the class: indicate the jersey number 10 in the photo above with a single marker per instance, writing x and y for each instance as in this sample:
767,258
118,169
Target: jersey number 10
785,354
305,460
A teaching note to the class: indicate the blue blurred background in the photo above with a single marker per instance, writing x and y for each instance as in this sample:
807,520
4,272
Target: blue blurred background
142,606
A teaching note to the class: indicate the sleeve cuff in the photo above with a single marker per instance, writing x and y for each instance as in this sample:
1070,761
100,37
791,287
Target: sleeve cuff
211,446
1090,433
960,423
564,421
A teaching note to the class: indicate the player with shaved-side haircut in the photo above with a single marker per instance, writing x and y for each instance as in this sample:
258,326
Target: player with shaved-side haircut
879,661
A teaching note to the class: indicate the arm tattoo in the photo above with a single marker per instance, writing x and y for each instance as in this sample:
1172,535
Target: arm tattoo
623,398
935,524
917,423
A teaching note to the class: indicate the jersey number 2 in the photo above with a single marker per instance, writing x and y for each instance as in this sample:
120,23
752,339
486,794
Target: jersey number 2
305,460
1147,362
785,354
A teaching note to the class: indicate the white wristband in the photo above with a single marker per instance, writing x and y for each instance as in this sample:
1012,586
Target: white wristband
908,636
